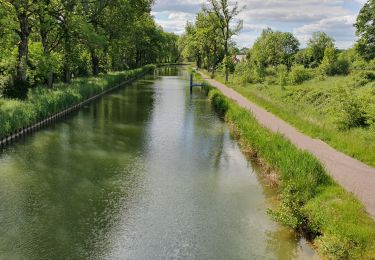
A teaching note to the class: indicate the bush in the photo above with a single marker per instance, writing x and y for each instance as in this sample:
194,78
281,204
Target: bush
282,75
250,73
42,102
367,99
341,66
258,74
362,78
243,71
299,74
350,111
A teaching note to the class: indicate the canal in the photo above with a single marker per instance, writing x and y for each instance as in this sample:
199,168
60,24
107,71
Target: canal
147,172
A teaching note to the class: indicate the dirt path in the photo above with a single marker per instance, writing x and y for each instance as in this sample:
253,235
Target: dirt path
353,175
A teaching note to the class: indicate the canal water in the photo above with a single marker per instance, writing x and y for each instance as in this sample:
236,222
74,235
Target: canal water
147,172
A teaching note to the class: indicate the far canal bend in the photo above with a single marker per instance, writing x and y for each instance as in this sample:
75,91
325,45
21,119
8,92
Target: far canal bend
147,172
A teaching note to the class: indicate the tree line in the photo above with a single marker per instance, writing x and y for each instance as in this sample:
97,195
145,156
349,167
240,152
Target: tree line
207,41
46,41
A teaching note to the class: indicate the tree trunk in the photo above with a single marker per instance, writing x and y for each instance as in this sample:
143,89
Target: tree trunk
214,63
226,62
67,53
22,57
208,65
199,61
67,74
95,62
46,52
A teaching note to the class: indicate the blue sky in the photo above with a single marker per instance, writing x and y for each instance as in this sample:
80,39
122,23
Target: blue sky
301,17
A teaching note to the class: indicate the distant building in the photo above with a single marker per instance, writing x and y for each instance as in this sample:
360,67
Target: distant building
239,58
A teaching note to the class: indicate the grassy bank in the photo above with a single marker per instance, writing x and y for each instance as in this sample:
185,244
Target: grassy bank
311,202
42,102
316,107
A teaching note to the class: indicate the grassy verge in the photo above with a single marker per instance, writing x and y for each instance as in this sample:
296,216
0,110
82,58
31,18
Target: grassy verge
42,102
311,108
311,202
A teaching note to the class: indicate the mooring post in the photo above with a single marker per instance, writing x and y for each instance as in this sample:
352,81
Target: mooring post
191,83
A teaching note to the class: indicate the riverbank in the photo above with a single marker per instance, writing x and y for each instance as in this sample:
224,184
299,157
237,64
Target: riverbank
311,202
43,102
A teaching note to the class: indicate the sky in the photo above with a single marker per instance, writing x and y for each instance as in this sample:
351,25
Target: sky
301,17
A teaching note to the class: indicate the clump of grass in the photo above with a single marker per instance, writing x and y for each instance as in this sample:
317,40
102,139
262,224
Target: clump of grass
311,202
42,102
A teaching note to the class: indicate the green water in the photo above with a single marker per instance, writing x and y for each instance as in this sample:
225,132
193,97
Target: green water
147,172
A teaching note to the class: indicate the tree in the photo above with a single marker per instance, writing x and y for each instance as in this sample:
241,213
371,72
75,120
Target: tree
47,12
208,37
189,44
365,26
42,41
22,11
226,15
304,57
317,44
273,48
327,67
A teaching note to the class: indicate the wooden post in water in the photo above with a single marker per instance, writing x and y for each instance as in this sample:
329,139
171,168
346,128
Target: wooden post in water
191,83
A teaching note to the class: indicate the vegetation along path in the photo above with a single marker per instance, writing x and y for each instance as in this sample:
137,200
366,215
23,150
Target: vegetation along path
353,175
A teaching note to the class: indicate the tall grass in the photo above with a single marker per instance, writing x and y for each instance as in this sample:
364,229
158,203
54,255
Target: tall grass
42,101
312,108
311,202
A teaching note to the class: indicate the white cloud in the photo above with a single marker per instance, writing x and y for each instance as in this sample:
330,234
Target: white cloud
173,21
336,17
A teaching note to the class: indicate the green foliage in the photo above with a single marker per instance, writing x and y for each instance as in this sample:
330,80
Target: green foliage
327,67
341,66
289,212
333,64
299,74
365,26
350,111
45,42
304,57
361,78
42,102
282,75
273,48
243,72
41,64
318,44
344,234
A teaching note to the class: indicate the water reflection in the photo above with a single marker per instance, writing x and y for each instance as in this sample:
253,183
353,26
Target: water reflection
61,189
147,172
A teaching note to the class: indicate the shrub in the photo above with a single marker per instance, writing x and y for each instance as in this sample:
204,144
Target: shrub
350,111
271,71
243,71
282,75
329,60
363,77
341,66
367,99
258,74
359,64
42,102
299,74
251,73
